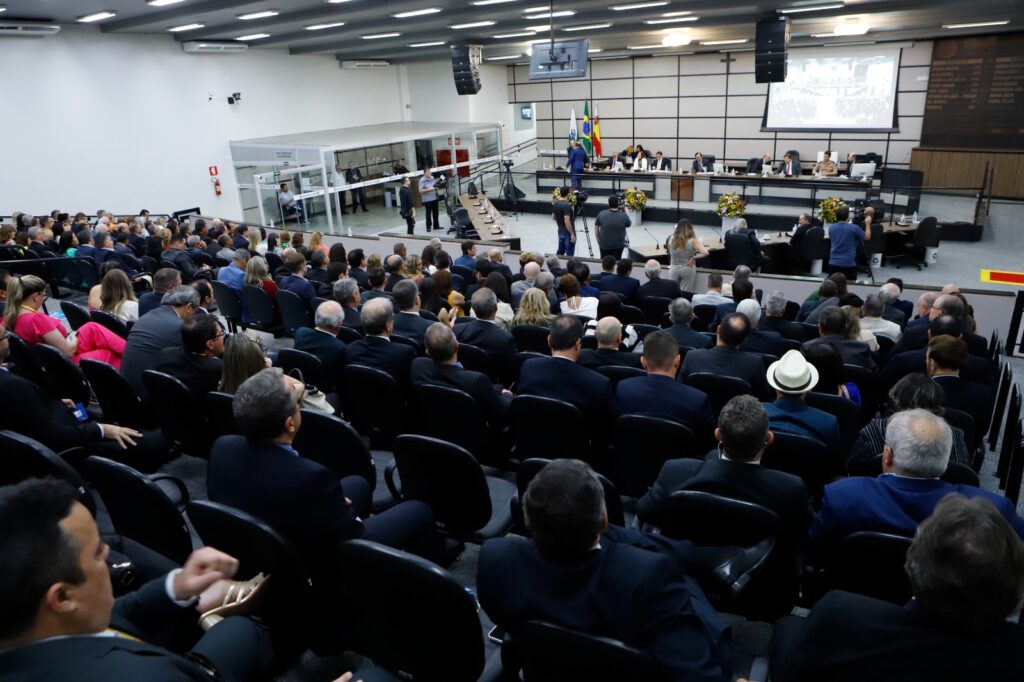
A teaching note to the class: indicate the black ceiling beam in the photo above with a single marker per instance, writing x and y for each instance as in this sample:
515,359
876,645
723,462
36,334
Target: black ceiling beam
184,12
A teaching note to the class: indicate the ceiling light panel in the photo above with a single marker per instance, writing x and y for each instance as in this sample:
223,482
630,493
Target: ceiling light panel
265,14
96,16
254,36
432,43
472,24
590,27
814,8
320,27
186,27
417,12
378,36
670,20
978,24
639,5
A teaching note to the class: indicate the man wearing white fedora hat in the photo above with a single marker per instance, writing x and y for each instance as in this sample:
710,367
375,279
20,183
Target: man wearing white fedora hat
793,377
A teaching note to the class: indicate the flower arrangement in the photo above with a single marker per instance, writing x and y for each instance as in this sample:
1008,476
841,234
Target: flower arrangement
636,199
557,194
828,207
731,205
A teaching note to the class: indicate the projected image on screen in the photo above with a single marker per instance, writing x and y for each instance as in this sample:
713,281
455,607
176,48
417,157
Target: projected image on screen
836,90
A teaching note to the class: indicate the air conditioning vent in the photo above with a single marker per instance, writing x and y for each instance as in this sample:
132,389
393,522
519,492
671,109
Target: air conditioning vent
21,29
212,47
364,64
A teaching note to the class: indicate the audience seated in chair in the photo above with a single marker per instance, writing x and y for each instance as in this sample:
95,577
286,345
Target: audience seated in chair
890,294
408,321
622,282
155,331
793,377
322,340
486,334
740,290
976,369
726,358
828,296
655,285
714,295
234,274
607,353
774,319
945,358
680,313
346,292
197,361
872,320
164,280
759,341
832,328
296,282
377,279
376,349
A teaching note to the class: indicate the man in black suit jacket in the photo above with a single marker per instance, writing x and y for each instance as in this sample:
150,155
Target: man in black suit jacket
494,255
560,377
656,286
36,244
486,335
408,321
680,312
393,266
61,621
976,370
260,473
828,294
177,257
197,362
579,572
964,567
441,368
621,282
377,279
699,165
832,327
774,318
890,293
317,273
155,331
946,356
916,336
768,343
661,163
357,268
346,292
726,358
164,280
607,353
323,342
377,349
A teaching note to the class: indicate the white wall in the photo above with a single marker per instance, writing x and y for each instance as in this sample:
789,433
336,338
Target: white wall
122,122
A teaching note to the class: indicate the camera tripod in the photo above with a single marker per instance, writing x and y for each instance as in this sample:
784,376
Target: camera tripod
508,189
578,210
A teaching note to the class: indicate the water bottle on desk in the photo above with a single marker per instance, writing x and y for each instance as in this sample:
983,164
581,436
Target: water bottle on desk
915,217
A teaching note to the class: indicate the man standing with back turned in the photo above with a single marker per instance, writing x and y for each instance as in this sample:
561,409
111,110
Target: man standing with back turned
611,227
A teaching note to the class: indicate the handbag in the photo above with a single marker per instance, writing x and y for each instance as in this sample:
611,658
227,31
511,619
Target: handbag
312,398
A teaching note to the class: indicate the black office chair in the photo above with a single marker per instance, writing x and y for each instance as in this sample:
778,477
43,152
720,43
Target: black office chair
414,619
111,322
120,403
432,407
813,250
704,314
999,408
165,396
845,412
871,563
1011,432
372,402
960,474
141,509
229,305
25,458
63,378
527,412
427,315
531,338
349,335
335,444
478,360
1015,470
294,314
260,308
642,330
790,344
465,273
792,310
641,445
927,235
468,505
274,262
631,315
311,367
528,470
551,653
720,388
90,273
654,307
810,331
406,341
965,423
885,346
752,165
76,314
220,416
24,362
867,383
805,457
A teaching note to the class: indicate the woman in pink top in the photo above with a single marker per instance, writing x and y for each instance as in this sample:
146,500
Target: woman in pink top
25,316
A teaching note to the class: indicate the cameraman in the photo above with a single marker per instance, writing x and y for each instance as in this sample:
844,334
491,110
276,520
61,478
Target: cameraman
562,214
611,227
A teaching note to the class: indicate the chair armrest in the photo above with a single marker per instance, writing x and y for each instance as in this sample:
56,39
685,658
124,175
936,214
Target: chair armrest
389,479
173,487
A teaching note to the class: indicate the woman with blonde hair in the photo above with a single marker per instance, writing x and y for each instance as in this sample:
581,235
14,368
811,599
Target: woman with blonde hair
853,330
534,308
373,261
316,243
25,315
256,243
684,248
243,358
412,268
257,274
117,296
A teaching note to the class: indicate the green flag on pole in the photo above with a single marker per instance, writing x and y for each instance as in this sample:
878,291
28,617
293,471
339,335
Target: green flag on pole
585,137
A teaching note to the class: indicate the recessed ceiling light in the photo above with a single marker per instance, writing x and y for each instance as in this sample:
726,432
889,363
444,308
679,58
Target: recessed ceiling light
162,3
671,20
375,36
433,43
417,12
521,34
97,16
472,24
258,15
531,10
676,39
551,15
320,27
646,47
482,3
639,5
507,56
738,41
977,24
815,8
591,27
336,2
851,26
3,8
253,36
185,27
676,14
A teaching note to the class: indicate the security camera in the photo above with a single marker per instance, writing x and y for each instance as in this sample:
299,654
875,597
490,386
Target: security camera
234,98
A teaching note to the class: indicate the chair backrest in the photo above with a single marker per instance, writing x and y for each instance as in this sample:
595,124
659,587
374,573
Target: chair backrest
965,423
372,402
63,378
427,315
228,302
654,307
166,397
335,444
707,519
867,382
465,273
76,314
528,414
1011,431
414,619
927,233
448,478
738,251
813,246
885,345
960,474
999,408
1015,470
642,330
531,338
90,273
792,310
258,305
434,407
790,344
810,331
719,388
111,322
630,315
844,411
641,445
119,401
312,367
26,365
349,335
138,508
274,262
529,468
871,563
220,414
478,360
406,341
804,457
751,164
25,458
294,313
704,313
877,242
617,373
550,652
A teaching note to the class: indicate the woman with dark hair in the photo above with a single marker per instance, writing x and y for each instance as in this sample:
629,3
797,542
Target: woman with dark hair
495,281
336,253
610,305
430,297
574,303
67,244
826,359
427,260
272,243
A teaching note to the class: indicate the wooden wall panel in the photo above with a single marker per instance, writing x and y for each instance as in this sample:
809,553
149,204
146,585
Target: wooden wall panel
966,168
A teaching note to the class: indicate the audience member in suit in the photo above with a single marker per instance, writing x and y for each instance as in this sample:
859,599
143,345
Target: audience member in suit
494,256
164,280
924,307
357,268
659,394
240,239
260,473
656,286
607,353
177,257
904,306
408,321
296,282
441,367
36,244
832,328
793,377
468,258
964,567
774,319
155,331
726,358
323,342
484,333
890,293
680,313
530,272
916,454
946,357
61,620
916,337
197,362
734,471
393,265
317,273
560,377
579,572
828,294
554,266
768,343
740,290
234,274
976,369
376,348
699,165
86,245
377,279
346,292
621,282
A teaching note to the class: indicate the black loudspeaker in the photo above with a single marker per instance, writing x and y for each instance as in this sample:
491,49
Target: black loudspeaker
772,41
465,60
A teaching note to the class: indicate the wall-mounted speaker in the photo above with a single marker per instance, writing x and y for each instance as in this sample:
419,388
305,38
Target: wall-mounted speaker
465,62
771,45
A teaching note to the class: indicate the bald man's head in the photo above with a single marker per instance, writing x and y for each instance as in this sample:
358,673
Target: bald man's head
531,270
440,342
951,288
609,333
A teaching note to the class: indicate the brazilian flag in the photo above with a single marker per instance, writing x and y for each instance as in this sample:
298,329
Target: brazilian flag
585,137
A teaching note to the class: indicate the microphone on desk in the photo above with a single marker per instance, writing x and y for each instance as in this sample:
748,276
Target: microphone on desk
657,245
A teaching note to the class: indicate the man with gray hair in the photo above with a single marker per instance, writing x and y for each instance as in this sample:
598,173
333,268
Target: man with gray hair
916,338
323,342
607,353
482,332
554,266
158,329
740,274
546,283
680,312
774,319
714,295
766,343
656,285
234,274
36,244
408,322
872,320
916,454
924,307
346,292
890,293
530,272
376,349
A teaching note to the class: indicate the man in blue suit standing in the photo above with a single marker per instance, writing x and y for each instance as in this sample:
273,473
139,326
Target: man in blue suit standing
916,454
577,160
793,377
